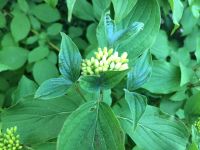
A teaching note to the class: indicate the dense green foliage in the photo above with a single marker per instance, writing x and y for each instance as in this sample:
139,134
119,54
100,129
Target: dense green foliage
58,91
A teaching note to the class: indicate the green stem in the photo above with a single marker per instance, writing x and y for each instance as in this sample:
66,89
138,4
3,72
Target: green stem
80,93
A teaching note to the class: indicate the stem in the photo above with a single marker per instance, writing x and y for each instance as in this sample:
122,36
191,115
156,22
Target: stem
49,42
80,93
101,95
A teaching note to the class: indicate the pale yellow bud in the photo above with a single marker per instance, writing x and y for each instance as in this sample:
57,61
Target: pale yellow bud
105,51
92,60
101,63
124,55
96,63
88,63
112,65
124,67
110,51
118,65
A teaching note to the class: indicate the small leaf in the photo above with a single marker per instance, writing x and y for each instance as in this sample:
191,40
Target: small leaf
94,126
140,72
38,53
44,70
20,21
52,3
23,5
53,88
13,58
69,59
46,13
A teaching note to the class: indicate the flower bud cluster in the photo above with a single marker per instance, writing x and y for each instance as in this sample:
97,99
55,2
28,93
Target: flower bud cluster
104,60
9,140
197,124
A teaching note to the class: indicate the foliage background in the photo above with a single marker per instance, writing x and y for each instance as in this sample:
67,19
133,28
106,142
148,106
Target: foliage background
29,45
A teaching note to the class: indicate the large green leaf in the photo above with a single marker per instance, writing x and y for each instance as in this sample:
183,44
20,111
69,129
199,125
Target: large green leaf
165,78
140,72
69,59
160,131
13,58
123,8
94,127
53,88
20,21
39,121
105,80
136,104
148,13
154,130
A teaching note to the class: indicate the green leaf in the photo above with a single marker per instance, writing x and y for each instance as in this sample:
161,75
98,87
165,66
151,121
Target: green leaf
186,74
52,3
44,70
137,105
134,42
75,31
105,81
123,8
94,126
34,119
177,12
161,47
153,128
148,13
69,59
38,53
140,72
54,29
23,5
165,78
46,13
82,9
20,21
160,131
70,7
25,88
53,88
192,106
13,58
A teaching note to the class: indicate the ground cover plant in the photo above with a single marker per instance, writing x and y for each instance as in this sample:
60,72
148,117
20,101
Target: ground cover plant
100,75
